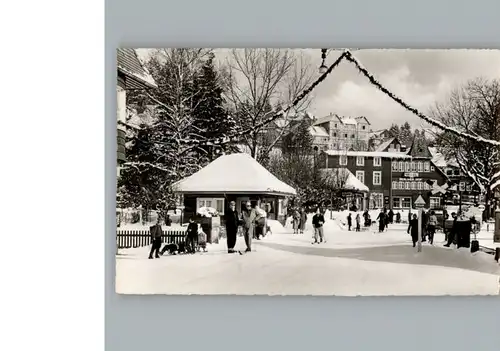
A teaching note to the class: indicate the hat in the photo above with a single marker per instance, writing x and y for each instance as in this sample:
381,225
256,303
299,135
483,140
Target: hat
232,203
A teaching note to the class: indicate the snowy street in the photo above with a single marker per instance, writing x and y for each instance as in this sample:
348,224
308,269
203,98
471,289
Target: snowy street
349,264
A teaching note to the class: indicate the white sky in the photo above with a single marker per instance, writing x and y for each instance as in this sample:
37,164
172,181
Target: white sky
420,77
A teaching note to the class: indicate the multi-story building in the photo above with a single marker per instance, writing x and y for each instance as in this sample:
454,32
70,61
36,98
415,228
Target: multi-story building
372,168
395,178
345,133
410,178
131,74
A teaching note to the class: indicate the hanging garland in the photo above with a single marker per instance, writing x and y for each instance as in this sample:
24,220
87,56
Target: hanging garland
431,121
253,129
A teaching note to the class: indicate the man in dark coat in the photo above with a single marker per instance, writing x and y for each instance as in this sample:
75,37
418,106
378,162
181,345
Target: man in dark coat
391,216
156,233
381,221
413,229
249,215
349,221
317,221
191,236
232,222
453,231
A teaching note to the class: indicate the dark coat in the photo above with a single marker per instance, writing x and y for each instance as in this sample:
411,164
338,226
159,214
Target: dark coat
316,219
232,219
413,229
349,219
155,231
192,230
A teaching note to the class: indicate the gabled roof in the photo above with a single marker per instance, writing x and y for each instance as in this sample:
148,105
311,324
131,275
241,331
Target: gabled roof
349,120
397,155
318,131
235,173
330,117
128,63
385,145
351,182
363,117
419,149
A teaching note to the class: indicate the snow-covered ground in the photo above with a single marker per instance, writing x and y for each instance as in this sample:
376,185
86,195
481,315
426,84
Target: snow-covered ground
349,264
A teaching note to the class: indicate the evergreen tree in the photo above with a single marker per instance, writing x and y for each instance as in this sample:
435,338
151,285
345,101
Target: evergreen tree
211,118
405,134
393,131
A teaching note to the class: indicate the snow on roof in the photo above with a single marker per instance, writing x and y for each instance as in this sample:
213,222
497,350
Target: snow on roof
347,120
318,131
234,173
368,154
328,118
385,144
351,183
129,64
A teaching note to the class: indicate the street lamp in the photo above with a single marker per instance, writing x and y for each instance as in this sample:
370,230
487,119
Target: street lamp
323,68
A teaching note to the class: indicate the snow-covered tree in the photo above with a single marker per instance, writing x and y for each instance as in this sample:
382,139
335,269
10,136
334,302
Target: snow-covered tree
258,78
185,107
474,109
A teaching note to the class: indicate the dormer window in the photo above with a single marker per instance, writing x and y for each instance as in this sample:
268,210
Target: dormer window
363,127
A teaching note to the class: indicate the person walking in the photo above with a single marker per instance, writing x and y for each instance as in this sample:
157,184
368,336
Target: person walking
295,219
358,224
191,236
232,222
249,215
453,232
349,221
391,216
156,233
381,221
431,227
317,221
413,229
303,219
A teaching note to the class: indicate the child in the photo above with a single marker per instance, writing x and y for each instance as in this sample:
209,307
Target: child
202,240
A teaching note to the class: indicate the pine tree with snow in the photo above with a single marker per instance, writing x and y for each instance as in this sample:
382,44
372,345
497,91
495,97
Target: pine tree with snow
212,120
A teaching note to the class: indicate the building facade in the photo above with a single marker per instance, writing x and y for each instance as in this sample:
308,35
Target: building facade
131,74
345,133
373,169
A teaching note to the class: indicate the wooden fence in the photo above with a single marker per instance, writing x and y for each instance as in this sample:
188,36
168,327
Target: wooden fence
126,239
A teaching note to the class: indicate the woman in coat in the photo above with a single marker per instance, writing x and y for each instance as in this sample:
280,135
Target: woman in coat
381,221
295,221
358,222
303,219
413,229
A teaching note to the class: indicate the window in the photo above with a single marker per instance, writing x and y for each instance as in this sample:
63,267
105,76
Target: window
377,200
398,148
449,172
345,135
434,202
335,134
401,166
413,166
401,185
343,160
432,168
217,203
462,186
394,166
363,127
427,166
420,166
406,202
360,161
361,176
377,161
468,187
377,178
352,136
409,185
419,185
335,125
407,167
396,203
394,185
